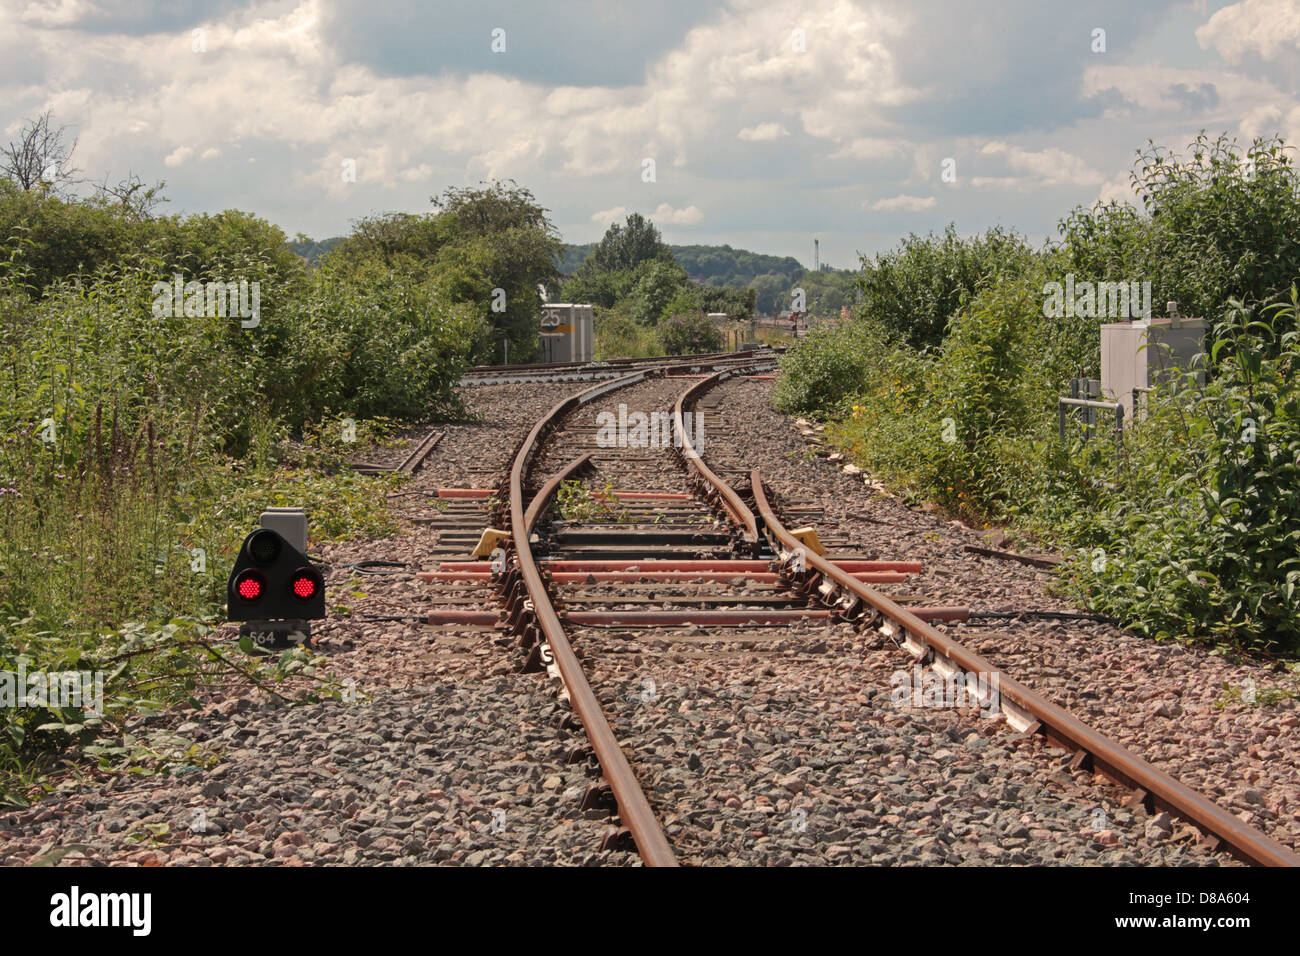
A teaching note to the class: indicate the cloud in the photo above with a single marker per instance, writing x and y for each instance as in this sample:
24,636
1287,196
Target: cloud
868,147
416,174
1268,29
1151,88
1049,167
663,213
874,103
1117,190
57,13
1202,97
688,216
1263,121
763,132
903,202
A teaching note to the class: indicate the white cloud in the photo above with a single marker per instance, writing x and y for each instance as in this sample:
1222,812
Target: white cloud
1118,190
1049,167
1147,88
57,14
1268,29
274,85
903,202
869,147
416,174
178,156
1273,118
688,216
268,74
763,132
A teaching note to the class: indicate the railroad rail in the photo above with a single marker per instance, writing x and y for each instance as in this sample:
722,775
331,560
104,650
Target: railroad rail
604,370
538,620
838,589
409,464
1027,711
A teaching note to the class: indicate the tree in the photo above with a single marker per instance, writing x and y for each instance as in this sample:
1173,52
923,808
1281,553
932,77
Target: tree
135,198
768,293
826,291
40,159
399,240
494,207
1225,222
915,289
488,247
660,281
502,247
602,289
626,247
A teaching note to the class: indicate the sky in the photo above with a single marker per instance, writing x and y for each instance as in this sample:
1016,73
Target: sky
762,125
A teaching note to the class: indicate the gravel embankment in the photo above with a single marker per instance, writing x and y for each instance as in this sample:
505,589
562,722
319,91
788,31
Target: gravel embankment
1168,703
443,752
780,745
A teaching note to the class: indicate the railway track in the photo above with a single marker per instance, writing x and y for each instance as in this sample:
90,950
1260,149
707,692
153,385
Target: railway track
409,464
604,370
676,564
742,689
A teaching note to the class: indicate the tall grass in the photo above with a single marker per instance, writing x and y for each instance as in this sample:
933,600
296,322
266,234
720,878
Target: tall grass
136,452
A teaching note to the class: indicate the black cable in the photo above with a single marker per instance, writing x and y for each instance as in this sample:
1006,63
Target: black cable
376,567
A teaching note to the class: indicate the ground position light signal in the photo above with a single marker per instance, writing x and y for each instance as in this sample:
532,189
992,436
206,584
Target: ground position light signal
275,589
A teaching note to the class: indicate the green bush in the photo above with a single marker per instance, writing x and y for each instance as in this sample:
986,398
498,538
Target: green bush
376,342
1187,528
618,336
913,291
1221,223
1225,223
690,333
964,426
833,364
137,449
1199,538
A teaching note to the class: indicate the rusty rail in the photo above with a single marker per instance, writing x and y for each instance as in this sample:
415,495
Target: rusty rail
537,618
409,464
543,496
713,488
1026,709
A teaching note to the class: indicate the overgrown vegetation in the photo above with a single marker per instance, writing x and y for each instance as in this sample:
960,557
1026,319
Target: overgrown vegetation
145,430
689,333
578,501
739,270
643,297
1188,529
914,291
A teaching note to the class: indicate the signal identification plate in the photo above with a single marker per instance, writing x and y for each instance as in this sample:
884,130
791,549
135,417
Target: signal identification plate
277,635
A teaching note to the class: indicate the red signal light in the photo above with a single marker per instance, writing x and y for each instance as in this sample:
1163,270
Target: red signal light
250,586
305,584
